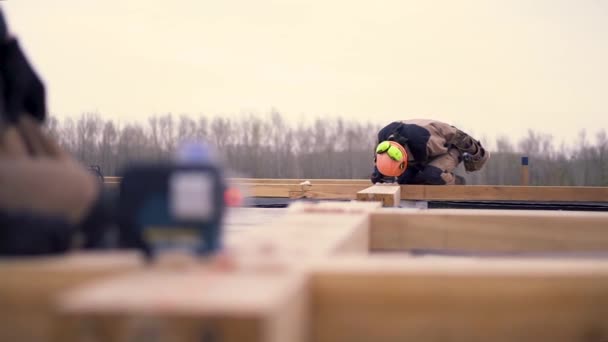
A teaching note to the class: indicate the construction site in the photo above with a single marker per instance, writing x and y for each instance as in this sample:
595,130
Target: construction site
423,171
340,260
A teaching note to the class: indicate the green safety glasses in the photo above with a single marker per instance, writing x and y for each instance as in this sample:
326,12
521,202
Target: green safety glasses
393,152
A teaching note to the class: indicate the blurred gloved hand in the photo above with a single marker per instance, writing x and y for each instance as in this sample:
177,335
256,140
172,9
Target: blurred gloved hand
60,198
376,177
23,90
46,196
51,187
3,30
399,139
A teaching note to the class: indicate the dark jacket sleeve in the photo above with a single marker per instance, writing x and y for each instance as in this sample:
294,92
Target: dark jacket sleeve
387,130
26,233
414,136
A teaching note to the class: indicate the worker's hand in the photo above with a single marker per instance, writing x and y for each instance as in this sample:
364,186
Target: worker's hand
396,137
99,219
377,177
59,188
24,92
3,29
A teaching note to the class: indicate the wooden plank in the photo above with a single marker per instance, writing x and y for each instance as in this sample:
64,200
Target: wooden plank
194,304
313,181
263,297
271,190
489,230
392,299
244,218
389,195
504,193
347,188
330,191
28,287
293,191
307,230
525,172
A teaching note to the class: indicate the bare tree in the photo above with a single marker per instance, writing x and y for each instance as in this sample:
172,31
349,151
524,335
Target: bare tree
167,134
269,147
88,129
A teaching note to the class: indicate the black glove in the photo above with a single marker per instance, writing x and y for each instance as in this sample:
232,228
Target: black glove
23,91
100,221
29,233
3,30
376,177
399,139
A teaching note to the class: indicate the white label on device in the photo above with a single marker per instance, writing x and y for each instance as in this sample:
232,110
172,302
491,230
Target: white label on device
191,195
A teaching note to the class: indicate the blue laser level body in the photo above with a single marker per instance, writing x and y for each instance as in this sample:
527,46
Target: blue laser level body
173,207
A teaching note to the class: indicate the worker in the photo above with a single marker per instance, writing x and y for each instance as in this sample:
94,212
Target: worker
46,197
421,151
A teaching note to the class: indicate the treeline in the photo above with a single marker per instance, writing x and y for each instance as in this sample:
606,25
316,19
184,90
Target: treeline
269,147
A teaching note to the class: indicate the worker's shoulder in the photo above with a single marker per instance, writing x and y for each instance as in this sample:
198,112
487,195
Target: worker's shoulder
422,122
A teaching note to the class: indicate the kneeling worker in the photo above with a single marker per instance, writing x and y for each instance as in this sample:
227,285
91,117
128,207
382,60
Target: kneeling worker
425,152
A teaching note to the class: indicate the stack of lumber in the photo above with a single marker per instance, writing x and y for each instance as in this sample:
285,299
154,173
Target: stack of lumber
262,295
341,271
348,189
29,287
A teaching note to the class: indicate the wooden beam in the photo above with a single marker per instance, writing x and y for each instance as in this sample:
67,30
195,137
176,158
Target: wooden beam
347,189
295,191
392,299
489,230
263,297
308,230
338,191
313,181
28,287
504,193
389,195
331,191
194,304
525,172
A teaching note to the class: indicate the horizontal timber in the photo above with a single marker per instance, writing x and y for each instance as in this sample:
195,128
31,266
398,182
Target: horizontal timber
483,231
346,189
444,299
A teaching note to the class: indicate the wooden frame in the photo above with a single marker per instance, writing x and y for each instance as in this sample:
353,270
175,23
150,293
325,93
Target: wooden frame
493,231
29,286
309,277
347,189
441,299
389,195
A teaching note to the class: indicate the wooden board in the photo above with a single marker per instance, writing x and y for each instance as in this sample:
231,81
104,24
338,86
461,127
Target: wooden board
262,297
442,299
504,193
307,276
313,181
307,230
294,191
28,287
243,218
195,304
489,230
389,195
347,189
438,192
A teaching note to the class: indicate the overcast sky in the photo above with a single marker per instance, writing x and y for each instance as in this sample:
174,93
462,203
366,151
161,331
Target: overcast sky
490,67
